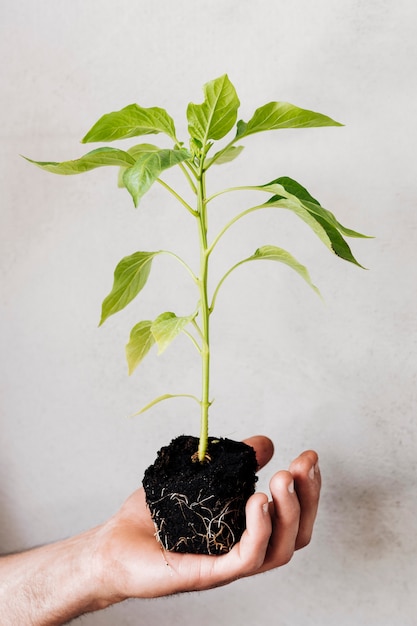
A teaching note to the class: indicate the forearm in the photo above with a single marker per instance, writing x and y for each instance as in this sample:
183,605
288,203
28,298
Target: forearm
50,585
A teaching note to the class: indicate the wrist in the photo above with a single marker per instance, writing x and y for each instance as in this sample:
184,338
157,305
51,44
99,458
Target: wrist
52,584
108,573
91,569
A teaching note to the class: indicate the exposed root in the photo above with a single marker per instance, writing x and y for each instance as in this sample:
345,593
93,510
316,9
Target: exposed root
205,527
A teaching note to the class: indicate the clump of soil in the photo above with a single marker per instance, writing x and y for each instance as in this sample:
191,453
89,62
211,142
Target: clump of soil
200,507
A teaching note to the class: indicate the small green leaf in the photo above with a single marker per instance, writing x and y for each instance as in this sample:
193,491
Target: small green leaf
135,152
225,156
272,253
96,158
140,342
131,121
277,115
148,166
216,116
166,327
130,277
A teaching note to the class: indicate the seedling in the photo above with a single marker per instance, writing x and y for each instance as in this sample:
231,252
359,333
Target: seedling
144,164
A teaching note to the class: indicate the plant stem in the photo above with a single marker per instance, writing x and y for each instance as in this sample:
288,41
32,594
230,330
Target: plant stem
216,291
192,339
233,221
183,263
188,177
230,189
177,196
205,313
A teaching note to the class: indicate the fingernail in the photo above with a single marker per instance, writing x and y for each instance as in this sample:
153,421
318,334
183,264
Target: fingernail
291,487
316,468
311,472
265,508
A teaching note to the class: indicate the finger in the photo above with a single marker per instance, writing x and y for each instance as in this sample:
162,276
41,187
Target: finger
247,556
254,542
285,514
264,448
307,479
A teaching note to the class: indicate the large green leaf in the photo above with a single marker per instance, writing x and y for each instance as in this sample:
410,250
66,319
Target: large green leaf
166,327
321,221
313,205
131,121
140,342
327,233
272,253
96,158
216,116
277,115
148,166
130,277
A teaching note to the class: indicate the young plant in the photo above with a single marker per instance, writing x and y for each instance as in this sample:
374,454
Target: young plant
144,164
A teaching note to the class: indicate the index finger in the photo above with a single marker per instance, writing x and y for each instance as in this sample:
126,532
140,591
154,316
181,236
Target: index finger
264,448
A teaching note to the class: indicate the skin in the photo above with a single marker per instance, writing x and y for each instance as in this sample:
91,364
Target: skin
121,559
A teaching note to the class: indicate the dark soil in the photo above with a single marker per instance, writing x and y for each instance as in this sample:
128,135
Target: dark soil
200,507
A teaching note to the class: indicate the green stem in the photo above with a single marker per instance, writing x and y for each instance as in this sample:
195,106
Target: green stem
205,313
198,329
192,339
183,263
177,196
233,221
230,189
216,291
188,177
166,396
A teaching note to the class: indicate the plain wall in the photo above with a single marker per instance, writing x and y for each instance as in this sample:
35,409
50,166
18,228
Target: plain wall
338,376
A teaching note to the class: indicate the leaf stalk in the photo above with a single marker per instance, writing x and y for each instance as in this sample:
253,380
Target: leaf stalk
177,196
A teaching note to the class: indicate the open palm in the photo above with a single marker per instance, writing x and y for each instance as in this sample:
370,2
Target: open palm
138,566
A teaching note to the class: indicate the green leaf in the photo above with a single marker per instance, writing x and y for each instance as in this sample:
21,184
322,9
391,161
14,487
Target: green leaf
225,156
321,221
96,158
166,327
277,115
148,166
313,205
131,121
135,152
130,277
216,116
327,233
140,342
162,330
272,253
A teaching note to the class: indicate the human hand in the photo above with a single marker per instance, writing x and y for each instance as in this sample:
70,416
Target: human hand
133,563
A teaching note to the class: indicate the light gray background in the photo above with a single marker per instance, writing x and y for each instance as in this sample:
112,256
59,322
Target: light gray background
338,376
